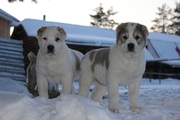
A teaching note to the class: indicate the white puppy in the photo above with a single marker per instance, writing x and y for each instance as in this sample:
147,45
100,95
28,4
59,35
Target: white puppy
55,61
121,65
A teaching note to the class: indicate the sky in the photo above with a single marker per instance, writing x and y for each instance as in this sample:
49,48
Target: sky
78,11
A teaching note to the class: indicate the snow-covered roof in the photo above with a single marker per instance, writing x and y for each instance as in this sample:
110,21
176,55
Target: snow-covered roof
14,21
167,46
149,57
164,37
167,50
172,62
77,34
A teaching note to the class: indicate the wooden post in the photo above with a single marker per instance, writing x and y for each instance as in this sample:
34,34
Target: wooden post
160,74
44,17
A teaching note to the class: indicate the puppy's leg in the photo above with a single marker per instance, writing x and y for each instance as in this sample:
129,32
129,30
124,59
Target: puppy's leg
113,94
134,94
42,86
85,81
98,92
67,82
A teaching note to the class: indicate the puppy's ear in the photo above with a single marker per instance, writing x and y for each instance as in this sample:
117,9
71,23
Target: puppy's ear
63,33
40,30
119,30
121,27
144,29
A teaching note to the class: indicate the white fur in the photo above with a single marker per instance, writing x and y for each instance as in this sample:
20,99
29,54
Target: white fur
57,67
125,69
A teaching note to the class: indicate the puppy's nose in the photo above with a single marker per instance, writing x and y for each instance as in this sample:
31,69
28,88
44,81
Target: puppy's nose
130,46
50,47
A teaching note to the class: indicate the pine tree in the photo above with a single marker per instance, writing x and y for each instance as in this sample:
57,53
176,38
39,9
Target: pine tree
103,19
176,19
161,24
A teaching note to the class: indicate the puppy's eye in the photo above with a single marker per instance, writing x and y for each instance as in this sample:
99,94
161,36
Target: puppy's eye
137,37
44,38
57,39
125,37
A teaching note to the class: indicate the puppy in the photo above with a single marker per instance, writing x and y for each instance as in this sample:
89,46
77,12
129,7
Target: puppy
121,65
53,91
31,74
55,61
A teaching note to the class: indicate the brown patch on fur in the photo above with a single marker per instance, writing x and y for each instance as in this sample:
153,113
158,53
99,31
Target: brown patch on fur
62,31
143,30
120,30
40,30
78,61
100,57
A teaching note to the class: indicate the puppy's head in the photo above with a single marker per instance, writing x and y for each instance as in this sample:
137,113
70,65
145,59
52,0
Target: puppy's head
131,37
50,40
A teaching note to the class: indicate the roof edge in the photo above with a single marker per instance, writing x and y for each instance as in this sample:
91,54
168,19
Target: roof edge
14,21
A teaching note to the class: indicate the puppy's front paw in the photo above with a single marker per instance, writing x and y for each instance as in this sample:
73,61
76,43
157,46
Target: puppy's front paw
114,110
133,108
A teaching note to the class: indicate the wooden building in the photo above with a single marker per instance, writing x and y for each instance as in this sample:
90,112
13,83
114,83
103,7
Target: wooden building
6,22
11,57
165,48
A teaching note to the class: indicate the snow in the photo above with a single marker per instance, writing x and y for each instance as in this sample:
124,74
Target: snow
166,45
159,102
149,57
9,85
164,37
167,49
67,107
172,62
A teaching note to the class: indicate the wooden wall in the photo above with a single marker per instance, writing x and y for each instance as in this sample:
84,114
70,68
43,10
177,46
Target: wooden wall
4,28
30,44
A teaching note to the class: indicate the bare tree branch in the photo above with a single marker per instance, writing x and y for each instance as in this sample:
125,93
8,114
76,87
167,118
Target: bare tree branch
11,1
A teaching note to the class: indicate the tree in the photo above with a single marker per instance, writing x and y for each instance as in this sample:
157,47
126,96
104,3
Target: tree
161,24
11,1
176,19
103,19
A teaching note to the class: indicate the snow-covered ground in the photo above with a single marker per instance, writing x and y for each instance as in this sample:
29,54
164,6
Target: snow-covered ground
159,102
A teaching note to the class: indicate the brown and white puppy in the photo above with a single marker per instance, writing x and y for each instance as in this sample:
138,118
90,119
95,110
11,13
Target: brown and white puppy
55,61
121,65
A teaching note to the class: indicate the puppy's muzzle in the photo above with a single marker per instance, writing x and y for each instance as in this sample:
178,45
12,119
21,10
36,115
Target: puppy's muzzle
130,47
50,48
